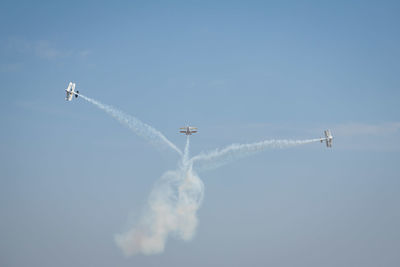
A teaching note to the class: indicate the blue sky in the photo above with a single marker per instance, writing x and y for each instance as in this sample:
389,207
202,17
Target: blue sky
71,177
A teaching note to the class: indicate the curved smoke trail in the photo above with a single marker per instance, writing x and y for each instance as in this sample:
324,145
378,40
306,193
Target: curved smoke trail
178,194
140,128
172,207
220,157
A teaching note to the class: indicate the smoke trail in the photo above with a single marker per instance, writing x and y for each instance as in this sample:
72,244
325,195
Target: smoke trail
176,197
140,128
220,157
172,208
185,158
178,194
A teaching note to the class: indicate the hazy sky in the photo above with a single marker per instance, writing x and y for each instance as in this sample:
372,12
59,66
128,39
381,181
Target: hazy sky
71,177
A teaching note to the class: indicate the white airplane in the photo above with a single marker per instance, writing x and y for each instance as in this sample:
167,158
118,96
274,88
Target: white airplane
188,130
328,138
71,91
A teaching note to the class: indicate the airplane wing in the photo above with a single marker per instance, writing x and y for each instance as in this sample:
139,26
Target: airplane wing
68,90
328,138
69,86
193,131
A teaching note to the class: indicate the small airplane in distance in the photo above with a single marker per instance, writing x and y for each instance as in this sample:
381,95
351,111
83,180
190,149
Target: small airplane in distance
188,130
71,91
328,138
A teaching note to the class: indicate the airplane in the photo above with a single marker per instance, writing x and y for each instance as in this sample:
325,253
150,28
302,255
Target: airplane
188,130
328,138
71,91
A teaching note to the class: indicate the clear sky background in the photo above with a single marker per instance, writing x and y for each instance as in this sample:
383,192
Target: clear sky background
242,71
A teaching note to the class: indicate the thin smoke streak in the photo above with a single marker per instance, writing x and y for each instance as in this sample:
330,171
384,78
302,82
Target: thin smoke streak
185,157
140,128
220,157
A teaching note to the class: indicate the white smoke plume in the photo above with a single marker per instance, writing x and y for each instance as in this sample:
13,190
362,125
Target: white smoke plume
178,194
140,128
220,157
172,208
